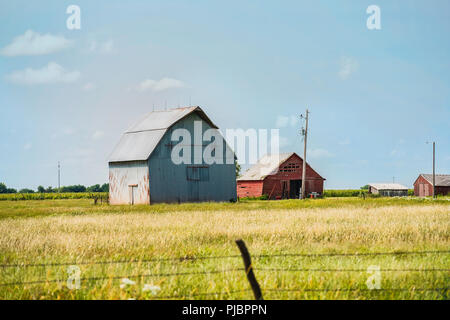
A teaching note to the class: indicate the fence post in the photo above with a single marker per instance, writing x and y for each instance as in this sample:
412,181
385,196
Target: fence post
249,269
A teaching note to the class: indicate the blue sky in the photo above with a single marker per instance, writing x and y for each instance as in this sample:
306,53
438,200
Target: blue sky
376,96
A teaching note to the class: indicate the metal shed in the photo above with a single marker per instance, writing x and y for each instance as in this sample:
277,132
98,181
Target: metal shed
279,177
388,189
141,170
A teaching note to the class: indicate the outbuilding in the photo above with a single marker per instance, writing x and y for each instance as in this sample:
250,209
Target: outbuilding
145,169
388,189
279,176
423,186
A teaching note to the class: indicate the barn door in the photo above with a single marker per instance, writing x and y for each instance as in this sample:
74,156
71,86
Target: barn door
284,189
132,193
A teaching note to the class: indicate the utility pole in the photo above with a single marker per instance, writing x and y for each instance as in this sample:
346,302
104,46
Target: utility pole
434,167
434,178
59,177
305,136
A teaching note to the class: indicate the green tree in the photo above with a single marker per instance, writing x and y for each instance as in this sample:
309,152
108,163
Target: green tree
105,187
94,188
3,188
41,189
366,187
26,190
75,188
238,169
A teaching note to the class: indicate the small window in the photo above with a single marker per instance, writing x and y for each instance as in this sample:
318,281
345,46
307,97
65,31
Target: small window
197,173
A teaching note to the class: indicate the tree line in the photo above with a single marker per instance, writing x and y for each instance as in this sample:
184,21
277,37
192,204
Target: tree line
65,189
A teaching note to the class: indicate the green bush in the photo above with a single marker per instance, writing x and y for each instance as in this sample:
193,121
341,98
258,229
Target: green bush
263,197
344,193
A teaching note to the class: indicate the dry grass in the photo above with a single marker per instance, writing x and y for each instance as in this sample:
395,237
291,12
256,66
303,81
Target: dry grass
143,235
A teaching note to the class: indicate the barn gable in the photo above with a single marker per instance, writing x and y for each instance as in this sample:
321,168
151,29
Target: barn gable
279,176
139,141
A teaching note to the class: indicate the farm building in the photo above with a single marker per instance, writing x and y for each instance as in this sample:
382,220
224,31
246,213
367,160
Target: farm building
388,189
279,176
142,170
423,186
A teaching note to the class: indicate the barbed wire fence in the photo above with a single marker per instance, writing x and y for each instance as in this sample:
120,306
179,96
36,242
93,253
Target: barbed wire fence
248,269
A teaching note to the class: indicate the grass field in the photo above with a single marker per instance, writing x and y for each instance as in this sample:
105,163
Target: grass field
76,231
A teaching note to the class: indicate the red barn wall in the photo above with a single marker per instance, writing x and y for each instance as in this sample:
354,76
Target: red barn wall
422,191
249,188
291,169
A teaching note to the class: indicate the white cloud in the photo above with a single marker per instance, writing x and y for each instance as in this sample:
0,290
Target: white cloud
32,43
89,86
160,85
51,73
68,131
98,135
294,121
27,146
348,66
101,47
282,121
319,153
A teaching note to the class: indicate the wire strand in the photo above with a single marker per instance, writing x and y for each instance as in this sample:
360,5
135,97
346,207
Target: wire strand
124,276
181,259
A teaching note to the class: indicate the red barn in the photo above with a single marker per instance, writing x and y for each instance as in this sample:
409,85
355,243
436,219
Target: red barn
423,186
279,176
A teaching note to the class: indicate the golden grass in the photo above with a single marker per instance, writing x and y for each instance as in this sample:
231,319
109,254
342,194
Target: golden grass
143,235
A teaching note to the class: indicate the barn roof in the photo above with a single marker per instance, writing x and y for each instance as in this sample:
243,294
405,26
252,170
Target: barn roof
139,141
388,186
441,180
265,166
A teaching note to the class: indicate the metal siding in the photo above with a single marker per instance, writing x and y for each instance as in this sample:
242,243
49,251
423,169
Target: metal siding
124,174
169,183
141,139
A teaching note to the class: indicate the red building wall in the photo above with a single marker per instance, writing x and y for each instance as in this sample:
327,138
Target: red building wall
249,188
427,189
291,169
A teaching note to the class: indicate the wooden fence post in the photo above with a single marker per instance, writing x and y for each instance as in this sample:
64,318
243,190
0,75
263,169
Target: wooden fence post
249,269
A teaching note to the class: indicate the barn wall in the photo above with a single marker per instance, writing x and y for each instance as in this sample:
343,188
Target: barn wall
423,188
393,193
443,190
124,174
273,183
373,190
169,182
249,189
